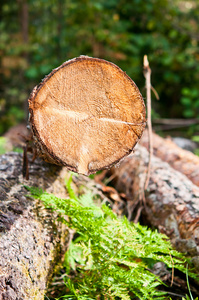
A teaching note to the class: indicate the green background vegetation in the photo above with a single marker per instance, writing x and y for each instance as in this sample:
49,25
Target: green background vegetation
39,35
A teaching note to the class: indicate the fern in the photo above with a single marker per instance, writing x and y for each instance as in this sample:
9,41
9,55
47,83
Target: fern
111,257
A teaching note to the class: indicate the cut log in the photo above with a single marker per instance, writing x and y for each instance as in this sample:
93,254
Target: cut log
86,115
171,200
31,239
182,160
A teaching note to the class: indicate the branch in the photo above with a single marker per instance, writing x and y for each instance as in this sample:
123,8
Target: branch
147,75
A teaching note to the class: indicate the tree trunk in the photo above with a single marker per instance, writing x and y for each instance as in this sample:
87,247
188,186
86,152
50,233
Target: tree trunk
171,199
31,239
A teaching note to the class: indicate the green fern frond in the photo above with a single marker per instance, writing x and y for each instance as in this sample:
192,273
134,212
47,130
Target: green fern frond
69,188
111,256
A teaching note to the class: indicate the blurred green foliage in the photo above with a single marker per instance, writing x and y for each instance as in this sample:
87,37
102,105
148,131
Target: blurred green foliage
2,145
190,101
38,35
5,146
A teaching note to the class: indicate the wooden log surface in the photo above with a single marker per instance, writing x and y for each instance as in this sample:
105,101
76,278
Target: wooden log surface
181,160
171,199
86,115
31,240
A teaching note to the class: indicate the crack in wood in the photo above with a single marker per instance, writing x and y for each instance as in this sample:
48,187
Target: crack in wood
84,116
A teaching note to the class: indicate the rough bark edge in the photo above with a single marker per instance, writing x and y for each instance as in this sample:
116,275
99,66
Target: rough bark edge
32,240
181,160
172,200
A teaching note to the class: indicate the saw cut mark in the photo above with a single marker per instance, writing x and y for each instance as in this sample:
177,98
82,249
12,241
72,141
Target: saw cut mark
51,93
118,121
55,97
81,116
78,116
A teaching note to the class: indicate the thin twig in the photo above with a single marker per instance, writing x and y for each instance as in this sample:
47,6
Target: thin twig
155,93
138,214
173,294
147,75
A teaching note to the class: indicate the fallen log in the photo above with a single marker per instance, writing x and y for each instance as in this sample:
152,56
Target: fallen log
182,160
32,243
171,200
31,239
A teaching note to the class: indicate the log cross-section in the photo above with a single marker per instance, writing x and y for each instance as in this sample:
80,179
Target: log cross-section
87,114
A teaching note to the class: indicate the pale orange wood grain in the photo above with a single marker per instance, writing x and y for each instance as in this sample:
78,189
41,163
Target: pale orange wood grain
87,114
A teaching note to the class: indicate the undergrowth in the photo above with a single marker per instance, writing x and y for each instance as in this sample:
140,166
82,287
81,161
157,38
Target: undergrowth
110,258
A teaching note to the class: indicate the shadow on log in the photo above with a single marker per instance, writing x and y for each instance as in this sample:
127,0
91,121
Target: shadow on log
31,240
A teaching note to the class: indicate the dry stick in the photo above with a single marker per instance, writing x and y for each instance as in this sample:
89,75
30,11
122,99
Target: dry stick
147,75
155,93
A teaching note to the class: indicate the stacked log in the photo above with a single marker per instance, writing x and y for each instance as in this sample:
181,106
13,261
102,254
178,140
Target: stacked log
181,160
171,201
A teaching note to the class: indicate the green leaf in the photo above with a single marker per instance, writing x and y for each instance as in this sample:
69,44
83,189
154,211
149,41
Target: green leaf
32,73
186,101
188,113
195,138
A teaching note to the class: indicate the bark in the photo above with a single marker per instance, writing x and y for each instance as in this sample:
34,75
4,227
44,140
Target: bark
182,160
171,199
31,239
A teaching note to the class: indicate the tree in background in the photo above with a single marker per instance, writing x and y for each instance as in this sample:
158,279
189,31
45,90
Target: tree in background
38,35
